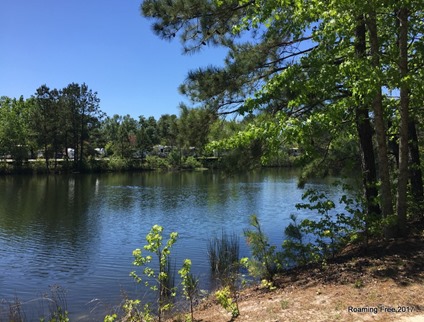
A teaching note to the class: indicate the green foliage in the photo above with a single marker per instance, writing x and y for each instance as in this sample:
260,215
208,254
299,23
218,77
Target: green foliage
295,249
224,298
58,316
310,241
313,241
358,283
331,232
157,275
168,131
224,260
190,285
174,158
15,139
134,312
191,163
320,69
110,318
268,285
157,280
223,255
265,262
189,282
156,163
120,134
52,121
243,147
194,125
118,164
243,158
147,134
81,118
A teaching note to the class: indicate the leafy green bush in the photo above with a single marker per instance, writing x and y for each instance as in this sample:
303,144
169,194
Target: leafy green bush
331,231
191,163
312,241
118,164
309,241
225,299
154,162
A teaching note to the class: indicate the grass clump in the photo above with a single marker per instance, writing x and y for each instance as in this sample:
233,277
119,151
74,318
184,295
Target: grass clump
224,254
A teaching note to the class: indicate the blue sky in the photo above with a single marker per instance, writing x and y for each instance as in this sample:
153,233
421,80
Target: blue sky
106,44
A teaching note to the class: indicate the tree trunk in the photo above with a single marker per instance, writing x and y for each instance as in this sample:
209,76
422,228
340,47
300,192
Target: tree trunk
383,160
404,116
81,140
393,144
365,133
46,157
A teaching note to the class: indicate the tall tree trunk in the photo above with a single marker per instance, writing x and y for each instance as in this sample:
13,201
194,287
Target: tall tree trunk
393,144
383,160
46,157
365,133
82,128
55,146
404,116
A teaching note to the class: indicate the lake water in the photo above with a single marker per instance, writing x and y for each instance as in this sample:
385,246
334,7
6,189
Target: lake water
79,231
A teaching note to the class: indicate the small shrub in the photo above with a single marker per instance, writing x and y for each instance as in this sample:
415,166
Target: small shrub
268,285
158,276
162,279
265,262
133,312
190,285
224,298
295,250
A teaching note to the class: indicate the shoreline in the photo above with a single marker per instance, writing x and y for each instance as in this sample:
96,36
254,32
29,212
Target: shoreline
386,283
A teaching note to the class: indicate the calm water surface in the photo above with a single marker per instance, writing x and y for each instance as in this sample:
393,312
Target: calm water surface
79,231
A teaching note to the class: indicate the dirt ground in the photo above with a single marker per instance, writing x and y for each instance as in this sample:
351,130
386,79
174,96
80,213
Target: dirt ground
383,283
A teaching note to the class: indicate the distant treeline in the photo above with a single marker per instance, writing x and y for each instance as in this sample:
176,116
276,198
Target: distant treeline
67,124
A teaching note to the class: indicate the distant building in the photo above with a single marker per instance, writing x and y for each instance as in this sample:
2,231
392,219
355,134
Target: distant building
100,152
71,153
